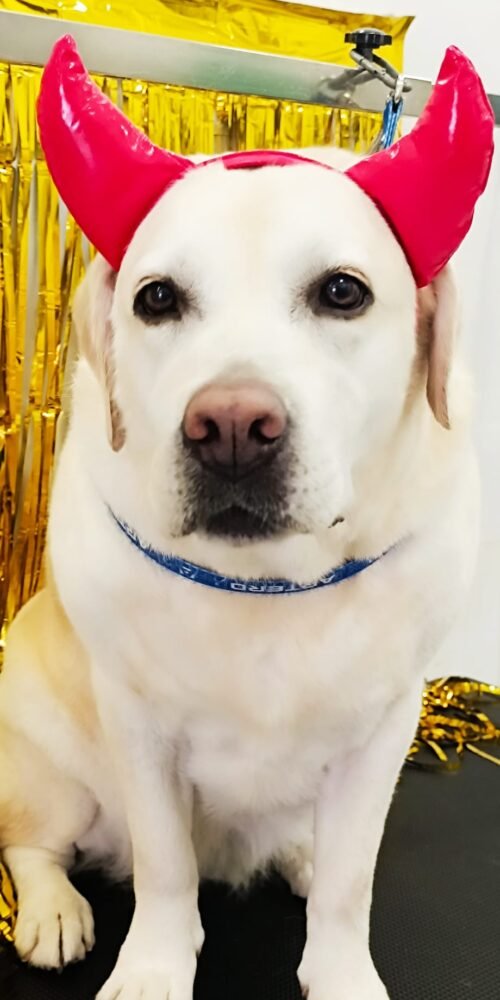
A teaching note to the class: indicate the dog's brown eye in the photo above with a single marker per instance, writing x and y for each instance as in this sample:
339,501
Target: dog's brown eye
157,301
345,294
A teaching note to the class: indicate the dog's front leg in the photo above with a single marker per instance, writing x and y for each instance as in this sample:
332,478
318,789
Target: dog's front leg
350,817
158,959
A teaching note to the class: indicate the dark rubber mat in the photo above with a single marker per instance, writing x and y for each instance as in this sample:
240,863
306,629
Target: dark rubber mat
436,917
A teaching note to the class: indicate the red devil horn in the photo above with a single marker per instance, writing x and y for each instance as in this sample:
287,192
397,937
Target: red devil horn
427,184
107,172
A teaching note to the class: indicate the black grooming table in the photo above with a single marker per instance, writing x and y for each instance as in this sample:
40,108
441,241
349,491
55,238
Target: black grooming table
436,918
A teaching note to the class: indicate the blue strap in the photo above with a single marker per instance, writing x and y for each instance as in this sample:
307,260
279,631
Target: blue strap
208,578
392,113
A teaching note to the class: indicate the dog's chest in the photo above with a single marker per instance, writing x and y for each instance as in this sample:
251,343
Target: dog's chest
240,768
264,660
264,691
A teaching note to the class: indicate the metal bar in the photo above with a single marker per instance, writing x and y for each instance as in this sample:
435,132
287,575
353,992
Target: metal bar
27,38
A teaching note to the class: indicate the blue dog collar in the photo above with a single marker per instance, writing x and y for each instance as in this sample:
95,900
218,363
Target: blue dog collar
236,585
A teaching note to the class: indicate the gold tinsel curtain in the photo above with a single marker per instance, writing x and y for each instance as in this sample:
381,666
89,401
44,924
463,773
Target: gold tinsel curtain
43,254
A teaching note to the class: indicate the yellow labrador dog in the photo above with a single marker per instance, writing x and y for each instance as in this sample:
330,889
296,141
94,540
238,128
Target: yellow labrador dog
263,520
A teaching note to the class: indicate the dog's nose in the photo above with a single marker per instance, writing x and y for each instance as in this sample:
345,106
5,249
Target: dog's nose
232,429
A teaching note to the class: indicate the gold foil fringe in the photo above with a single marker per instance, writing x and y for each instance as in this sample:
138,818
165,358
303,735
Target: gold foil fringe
8,906
453,720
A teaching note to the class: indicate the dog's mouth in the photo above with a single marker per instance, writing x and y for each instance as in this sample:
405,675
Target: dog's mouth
236,522
253,508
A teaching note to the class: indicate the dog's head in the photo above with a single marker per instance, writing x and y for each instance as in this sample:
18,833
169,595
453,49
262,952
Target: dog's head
254,331
256,347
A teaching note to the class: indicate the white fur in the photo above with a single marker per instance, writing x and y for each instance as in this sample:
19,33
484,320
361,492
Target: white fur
197,732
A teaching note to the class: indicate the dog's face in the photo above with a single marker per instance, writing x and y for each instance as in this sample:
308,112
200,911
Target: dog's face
261,337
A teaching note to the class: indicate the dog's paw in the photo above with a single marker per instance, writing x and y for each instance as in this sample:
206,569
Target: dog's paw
145,982
328,973
158,958
55,925
326,984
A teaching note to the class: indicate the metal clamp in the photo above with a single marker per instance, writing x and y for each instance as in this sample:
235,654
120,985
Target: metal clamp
371,67
366,40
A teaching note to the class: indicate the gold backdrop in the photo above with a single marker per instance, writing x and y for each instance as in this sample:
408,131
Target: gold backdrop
43,254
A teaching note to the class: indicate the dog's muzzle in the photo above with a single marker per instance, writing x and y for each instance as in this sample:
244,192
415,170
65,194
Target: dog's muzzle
236,457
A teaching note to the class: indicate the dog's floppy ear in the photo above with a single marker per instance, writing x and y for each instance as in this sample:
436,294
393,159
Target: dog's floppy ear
92,319
437,322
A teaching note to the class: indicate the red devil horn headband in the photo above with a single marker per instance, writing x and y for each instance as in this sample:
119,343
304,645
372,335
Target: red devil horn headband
107,172
426,186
